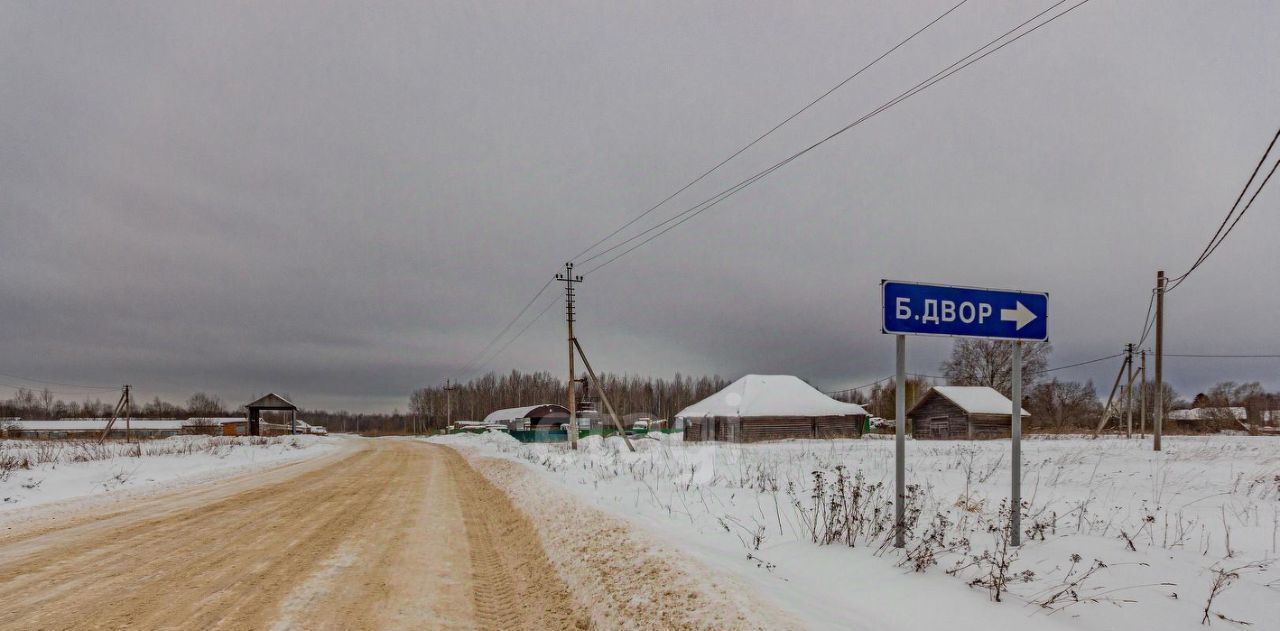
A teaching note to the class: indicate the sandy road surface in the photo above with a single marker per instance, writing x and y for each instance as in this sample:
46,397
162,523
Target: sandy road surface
390,534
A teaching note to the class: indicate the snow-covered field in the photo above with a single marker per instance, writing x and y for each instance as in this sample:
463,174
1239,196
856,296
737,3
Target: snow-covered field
38,473
1115,535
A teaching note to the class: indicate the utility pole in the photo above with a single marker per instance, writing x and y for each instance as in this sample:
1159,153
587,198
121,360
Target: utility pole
1158,423
123,409
1142,422
1128,393
617,423
1106,409
128,415
448,403
569,280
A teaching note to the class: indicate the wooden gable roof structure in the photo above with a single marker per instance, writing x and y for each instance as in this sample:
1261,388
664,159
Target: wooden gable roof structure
962,412
271,402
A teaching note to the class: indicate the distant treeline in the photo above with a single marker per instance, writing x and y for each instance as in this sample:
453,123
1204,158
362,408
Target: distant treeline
630,394
30,403
1055,405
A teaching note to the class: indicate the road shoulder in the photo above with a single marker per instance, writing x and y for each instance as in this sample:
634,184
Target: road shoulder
624,577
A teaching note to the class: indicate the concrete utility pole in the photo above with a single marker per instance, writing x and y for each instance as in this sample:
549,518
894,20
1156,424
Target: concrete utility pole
1158,423
1142,420
569,280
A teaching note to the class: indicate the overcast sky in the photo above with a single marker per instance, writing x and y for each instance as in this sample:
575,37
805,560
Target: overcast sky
345,201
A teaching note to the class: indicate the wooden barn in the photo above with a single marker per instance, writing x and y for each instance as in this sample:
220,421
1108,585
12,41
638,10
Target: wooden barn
770,407
962,412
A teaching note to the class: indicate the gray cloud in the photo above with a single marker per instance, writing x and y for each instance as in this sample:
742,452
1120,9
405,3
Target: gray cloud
347,201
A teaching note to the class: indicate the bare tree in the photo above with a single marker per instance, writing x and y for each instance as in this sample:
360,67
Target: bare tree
205,405
46,402
977,362
1064,404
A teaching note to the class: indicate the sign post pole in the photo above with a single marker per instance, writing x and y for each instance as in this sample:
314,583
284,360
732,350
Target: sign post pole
1015,524
975,312
900,445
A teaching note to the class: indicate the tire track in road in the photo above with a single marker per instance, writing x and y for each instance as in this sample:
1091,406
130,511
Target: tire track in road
516,587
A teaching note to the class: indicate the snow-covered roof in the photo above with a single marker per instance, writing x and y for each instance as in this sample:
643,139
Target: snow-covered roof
769,395
1200,414
215,420
511,414
976,399
271,400
98,424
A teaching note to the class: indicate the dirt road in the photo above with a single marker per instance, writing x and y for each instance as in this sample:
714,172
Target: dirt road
391,534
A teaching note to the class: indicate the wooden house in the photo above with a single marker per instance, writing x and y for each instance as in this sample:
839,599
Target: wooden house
962,412
770,407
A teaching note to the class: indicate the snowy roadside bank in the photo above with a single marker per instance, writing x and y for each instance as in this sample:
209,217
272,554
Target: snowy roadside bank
41,474
1118,536
624,577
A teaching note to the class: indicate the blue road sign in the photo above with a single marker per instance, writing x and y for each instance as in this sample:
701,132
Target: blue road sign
917,309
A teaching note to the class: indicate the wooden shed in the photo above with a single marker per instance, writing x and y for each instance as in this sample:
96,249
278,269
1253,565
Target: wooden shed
276,407
770,407
962,412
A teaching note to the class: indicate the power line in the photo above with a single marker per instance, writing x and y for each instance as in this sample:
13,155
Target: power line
769,132
941,75
1273,356
1149,320
1224,229
716,199
1047,370
475,362
516,337
1083,363
857,388
59,383
95,391
957,66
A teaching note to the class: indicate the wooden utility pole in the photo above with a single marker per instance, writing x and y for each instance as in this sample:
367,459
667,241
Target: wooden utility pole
448,403
120,410
1128,393
1142,420
128,415
569,280
1158,424
617,423
1106,410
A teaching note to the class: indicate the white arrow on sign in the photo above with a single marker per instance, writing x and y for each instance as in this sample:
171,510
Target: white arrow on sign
1022,315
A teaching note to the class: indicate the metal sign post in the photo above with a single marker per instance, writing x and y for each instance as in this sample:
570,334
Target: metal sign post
1015,522
951,311
900,446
